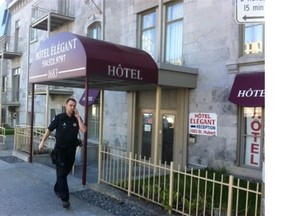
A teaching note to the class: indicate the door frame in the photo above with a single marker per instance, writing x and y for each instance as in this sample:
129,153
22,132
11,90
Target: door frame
140,135
160,147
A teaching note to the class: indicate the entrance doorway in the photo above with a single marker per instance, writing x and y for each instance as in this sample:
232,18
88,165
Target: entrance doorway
167,138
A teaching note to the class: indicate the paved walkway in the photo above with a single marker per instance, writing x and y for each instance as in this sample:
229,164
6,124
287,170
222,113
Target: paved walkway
27,189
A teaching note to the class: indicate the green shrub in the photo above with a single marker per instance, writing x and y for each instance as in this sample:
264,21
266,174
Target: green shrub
9,131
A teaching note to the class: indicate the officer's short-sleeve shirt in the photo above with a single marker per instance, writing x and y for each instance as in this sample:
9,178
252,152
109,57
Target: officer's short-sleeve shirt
67,129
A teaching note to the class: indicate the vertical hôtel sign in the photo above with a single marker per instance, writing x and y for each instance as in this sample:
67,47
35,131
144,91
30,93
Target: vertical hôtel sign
253,140
203,124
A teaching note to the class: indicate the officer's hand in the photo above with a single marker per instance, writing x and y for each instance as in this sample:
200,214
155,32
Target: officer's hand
76,113
41,146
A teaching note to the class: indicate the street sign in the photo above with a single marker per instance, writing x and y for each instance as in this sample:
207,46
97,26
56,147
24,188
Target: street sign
250,11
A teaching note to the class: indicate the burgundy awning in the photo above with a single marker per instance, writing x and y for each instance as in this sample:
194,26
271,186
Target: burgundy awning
248,90
92,96
66,59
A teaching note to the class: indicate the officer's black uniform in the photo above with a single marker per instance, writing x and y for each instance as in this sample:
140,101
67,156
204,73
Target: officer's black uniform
67,130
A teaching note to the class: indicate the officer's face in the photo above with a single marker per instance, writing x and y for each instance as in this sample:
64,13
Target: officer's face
70,107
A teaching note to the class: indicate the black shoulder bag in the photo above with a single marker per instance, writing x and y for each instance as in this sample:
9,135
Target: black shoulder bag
79,141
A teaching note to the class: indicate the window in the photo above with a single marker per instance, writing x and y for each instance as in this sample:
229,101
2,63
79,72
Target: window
94,30
5,17
16,35
15,84
148,33
94,119
52,114
33,31
252,131
4,83
63,7
33,35
253,38
174,33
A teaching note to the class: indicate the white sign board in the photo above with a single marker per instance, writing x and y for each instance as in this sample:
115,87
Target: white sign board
203,124
250,11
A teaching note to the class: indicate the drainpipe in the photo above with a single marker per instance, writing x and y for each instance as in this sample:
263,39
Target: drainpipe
103,21
27,74
47,86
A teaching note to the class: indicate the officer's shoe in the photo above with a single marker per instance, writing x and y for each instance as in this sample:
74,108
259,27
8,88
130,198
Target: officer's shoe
66,204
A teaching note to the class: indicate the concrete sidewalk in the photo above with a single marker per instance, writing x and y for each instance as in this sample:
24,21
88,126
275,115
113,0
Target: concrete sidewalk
27,189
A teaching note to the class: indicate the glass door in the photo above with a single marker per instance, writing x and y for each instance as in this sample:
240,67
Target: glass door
168,123
93,131
146,141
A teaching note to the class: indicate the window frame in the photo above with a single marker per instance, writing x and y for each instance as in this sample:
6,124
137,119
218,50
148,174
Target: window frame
33,35
141,30
167,23
4,83
94,26
242,40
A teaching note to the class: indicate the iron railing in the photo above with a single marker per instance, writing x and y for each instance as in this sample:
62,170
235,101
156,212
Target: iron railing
22,139
8,44
42,8
185,191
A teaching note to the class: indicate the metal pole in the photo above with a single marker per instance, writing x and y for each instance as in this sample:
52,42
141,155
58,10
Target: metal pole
157,122
84,167
32,124
100,134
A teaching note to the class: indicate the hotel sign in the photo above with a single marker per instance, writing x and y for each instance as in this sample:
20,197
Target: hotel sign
203,124
58,58
67,56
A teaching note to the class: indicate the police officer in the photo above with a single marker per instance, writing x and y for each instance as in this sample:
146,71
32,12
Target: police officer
67,127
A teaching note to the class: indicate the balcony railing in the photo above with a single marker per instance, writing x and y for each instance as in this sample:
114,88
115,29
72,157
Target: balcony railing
57,90
9,48
10,97
58,12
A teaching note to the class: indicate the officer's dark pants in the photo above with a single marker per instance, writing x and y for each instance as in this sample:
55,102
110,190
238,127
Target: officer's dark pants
64,164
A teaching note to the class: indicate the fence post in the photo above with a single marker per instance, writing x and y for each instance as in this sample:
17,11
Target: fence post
129,174
230,195
171,187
